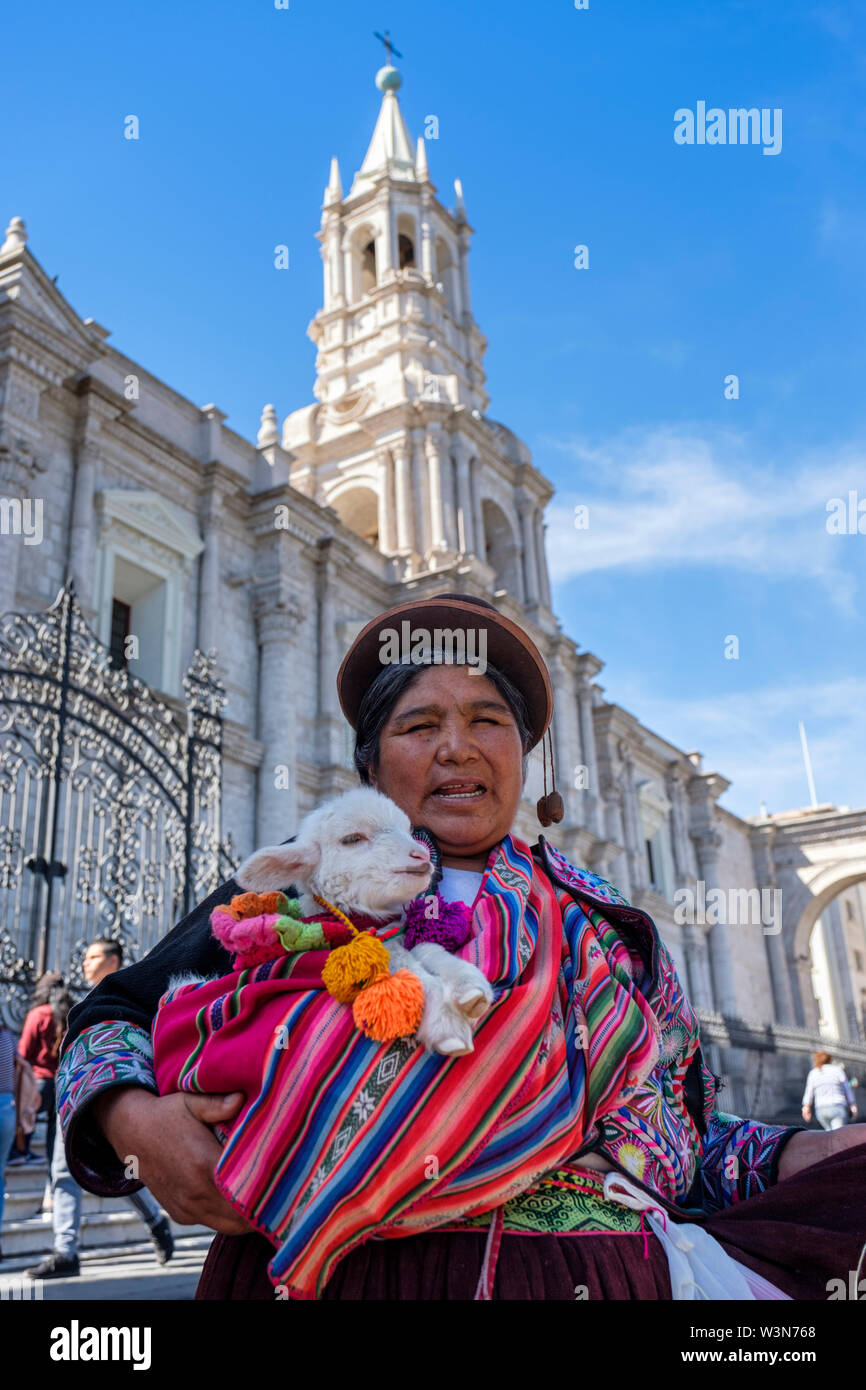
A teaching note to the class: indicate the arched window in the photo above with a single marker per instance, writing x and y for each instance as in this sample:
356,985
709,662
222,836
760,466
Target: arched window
358,508
500,549
369,278
405,241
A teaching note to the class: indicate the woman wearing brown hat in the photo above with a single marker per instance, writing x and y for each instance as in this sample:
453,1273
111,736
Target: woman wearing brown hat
585,1115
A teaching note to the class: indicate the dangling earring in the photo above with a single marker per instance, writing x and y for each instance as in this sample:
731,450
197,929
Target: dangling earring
549,808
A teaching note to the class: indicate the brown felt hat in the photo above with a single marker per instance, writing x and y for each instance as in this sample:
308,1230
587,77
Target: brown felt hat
509,648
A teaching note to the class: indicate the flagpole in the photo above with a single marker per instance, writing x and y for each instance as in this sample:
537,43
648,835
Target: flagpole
807,760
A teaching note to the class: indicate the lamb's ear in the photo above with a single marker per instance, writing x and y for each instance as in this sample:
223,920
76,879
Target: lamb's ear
276,867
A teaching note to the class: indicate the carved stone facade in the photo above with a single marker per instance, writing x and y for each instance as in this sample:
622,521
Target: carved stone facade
395,481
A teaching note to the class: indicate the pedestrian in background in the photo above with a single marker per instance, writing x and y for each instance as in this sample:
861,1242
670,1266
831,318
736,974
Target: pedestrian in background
7,1107
39,1044
101,958
829,1091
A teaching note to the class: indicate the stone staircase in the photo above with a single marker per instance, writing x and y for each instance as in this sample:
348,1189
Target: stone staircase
107,1223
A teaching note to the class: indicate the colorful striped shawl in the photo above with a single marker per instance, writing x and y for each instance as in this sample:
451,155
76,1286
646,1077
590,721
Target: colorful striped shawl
341,1138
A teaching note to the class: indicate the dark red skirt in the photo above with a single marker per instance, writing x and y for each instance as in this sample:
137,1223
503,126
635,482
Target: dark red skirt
800,1234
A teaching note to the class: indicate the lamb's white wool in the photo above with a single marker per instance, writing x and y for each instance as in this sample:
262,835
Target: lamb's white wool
358,853
356,850
188,977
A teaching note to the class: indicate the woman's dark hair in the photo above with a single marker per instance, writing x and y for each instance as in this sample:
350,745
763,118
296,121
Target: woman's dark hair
61,1002
43,987
50,989
383,693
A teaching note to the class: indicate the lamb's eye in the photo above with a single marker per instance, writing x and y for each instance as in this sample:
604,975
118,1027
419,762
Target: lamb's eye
352,839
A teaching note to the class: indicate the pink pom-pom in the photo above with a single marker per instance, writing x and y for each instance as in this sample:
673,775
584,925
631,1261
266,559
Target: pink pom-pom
254,938
450,927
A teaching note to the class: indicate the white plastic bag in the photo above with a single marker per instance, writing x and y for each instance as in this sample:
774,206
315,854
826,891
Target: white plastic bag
700,1268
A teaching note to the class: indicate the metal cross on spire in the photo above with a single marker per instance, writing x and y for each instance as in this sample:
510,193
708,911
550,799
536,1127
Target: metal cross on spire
389,47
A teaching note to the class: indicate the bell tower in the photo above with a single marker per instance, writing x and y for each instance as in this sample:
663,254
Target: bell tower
396,318
398,441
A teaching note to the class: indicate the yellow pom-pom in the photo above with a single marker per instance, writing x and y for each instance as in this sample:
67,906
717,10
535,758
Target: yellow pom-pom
350,967
390,1007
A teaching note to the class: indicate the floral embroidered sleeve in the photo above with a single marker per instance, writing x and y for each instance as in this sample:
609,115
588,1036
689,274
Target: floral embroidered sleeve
114,1053
739,1158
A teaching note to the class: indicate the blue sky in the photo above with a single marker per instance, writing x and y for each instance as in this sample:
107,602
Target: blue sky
707,516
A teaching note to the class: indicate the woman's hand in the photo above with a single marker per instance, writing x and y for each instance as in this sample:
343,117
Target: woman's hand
810,1146
806,1112
176,1152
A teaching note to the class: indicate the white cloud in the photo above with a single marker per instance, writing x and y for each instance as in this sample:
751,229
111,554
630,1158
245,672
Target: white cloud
675,498
752,738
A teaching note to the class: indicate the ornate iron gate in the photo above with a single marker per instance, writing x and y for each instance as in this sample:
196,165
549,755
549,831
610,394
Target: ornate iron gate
109,799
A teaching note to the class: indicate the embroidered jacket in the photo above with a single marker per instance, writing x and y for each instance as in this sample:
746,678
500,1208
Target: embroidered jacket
669,1136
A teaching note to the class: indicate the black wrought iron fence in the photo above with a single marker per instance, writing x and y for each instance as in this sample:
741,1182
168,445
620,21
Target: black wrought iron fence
109,799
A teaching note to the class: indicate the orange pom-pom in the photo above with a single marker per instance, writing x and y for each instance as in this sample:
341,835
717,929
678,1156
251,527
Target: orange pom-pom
349,968
390,1007
255,904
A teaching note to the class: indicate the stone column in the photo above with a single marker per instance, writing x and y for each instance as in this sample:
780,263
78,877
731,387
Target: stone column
403,497
541,557
567,740
708,843
619,870
466,540
776,946
463,247
209,608
334,557
512,571
477,509
449,497
527,535
680,843
456,292
348,267
385,240
631,820
387,529
81,557
278,617
594,816
841,984
421,494
334,266
426,237
698,966
700,984
434,492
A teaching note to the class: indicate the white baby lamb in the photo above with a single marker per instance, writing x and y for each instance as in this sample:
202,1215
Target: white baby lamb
357,851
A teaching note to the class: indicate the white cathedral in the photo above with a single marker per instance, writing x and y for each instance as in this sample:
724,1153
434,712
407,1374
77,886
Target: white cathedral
395,480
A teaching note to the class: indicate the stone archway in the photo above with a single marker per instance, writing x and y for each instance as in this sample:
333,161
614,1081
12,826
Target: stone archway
810,899
811,856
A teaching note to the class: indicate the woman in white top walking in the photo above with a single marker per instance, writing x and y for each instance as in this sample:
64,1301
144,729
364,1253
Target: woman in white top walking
829,1090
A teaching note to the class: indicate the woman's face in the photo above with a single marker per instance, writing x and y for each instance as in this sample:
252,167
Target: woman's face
450,756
